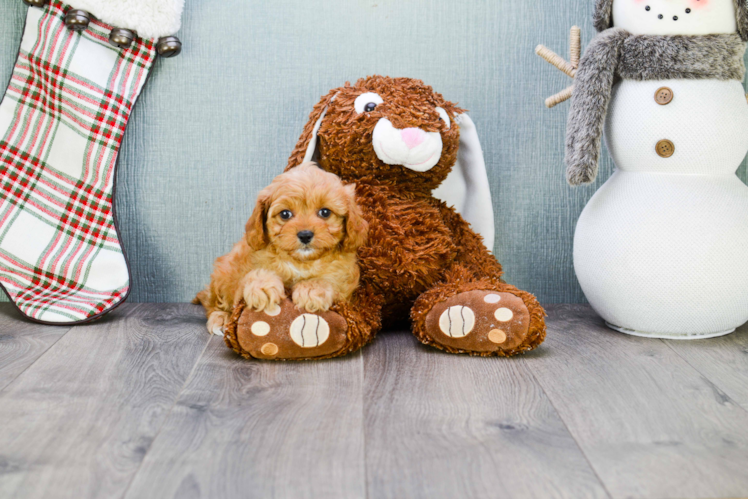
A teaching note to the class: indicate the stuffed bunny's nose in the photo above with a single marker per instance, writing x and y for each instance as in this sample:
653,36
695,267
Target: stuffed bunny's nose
413,137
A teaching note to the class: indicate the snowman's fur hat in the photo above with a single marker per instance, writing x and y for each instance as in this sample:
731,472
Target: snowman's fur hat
603,17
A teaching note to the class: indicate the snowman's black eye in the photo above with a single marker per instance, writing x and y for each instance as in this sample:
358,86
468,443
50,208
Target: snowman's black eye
675,18
647,8
660,16
370,107
688,11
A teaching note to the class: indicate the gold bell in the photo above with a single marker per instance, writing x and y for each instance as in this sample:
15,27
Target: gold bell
122,38
77,20
169,46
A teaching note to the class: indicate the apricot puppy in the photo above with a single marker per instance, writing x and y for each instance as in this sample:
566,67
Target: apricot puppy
302,237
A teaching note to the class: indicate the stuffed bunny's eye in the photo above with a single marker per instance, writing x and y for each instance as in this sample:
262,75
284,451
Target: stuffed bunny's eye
366,103
444,116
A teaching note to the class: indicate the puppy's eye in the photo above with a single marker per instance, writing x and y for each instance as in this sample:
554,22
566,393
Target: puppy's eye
444,116
286,214
324,213
368,102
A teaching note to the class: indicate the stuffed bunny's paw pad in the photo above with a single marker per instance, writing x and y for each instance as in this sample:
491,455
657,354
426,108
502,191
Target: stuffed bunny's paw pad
286,332
479,322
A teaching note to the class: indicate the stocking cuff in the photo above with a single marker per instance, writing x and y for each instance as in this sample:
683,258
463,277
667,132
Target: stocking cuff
149,18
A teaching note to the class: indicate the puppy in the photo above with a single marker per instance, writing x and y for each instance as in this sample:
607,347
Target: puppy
302,236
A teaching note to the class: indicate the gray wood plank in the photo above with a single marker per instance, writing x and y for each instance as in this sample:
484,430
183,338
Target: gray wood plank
80,420
261,429
22,342
650,424
440,425
724,361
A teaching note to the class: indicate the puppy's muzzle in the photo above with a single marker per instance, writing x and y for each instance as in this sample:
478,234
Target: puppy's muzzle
305,237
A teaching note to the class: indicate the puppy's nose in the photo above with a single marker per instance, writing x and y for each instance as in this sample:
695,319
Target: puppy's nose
305,236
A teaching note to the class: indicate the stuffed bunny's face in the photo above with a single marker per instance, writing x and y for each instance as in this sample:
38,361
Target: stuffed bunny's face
675,17
395,130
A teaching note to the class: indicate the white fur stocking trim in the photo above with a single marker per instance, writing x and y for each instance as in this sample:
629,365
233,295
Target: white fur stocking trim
150,18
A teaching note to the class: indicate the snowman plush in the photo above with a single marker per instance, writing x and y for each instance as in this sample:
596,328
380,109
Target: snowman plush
660,250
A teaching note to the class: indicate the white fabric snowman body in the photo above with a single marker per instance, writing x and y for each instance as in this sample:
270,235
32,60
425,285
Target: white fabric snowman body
660,250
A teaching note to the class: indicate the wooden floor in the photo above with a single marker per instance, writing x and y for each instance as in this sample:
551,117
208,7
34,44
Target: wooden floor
146,404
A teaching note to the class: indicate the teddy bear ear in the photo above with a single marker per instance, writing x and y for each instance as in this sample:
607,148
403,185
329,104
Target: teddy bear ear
306,147
466,188
741,12
603,16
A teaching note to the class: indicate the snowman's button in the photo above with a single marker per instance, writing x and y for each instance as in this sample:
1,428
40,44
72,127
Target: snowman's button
664,96
665,148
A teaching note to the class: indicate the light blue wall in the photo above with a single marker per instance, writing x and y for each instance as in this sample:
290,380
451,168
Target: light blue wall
215,124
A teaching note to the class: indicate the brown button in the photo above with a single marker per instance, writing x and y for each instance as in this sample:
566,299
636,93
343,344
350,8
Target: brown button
663,96
665,148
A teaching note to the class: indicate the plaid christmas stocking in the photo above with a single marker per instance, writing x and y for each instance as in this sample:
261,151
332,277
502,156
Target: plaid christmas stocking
61,124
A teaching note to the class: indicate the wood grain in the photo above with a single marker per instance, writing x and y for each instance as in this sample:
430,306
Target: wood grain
650,424
261,429
137,405
440,425
724,361
22,342
80,420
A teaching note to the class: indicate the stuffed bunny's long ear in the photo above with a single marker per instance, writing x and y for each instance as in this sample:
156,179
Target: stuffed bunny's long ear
306,147
466,188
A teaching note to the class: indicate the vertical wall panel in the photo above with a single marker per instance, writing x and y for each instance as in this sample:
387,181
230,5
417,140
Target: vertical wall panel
215,124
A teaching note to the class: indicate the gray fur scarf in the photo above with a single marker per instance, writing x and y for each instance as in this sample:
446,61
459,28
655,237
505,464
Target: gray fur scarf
617,53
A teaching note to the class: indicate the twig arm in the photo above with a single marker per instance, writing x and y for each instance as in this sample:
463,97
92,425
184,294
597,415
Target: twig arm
562,96
556,60
575,46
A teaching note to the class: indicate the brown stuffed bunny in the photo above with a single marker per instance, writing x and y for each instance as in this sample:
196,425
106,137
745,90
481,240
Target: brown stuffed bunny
398,141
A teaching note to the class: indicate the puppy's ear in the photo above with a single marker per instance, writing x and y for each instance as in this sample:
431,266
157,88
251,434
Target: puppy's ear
356,227
307,145
257,237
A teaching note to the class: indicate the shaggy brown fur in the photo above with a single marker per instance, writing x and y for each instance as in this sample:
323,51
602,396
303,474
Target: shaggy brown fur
419,250
272,257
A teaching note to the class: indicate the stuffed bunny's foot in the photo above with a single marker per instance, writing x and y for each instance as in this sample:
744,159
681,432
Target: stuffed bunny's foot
286,333
479,322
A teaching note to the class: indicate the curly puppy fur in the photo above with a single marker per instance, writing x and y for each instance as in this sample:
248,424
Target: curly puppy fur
419,250
274,257
615,53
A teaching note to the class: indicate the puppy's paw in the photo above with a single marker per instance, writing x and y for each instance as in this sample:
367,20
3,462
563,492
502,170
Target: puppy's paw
313,296
263,292
216,322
